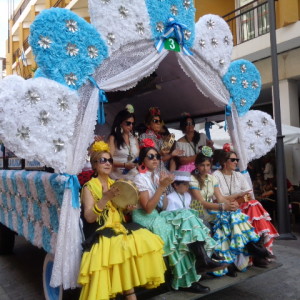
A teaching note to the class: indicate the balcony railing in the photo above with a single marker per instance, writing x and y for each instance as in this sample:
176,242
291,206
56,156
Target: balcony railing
16,55
59,3
249,21
26,44
20,10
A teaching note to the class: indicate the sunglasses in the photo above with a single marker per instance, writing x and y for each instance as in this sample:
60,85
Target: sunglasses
189,124
104,160
178,182
128,123
152,156
234,159
155,121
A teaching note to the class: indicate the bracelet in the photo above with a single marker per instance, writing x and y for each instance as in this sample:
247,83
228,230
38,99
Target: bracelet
97,210
221,206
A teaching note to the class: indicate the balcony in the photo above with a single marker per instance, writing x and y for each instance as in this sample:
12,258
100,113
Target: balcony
249,21
20,10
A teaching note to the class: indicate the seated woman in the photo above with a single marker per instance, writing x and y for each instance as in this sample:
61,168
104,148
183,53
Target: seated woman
154,122
117,256
233,183
187,240
235,236
123,145
190,143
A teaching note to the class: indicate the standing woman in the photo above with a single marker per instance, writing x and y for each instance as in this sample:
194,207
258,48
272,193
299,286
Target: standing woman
187,240
233,183
190,143
124,145
117,256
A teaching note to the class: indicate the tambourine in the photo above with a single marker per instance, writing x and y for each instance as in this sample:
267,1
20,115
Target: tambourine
128,193
168,143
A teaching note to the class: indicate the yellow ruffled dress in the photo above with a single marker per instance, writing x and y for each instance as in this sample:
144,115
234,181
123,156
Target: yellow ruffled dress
120,256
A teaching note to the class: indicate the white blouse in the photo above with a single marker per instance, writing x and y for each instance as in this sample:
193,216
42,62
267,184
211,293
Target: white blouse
189,149
178,201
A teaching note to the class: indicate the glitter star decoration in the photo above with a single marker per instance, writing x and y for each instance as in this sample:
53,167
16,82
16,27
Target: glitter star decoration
123,12
258,133
174,10
92,51
44,117
160,26
23,133
214,42
268,141
71,79
250,123
72,25
245,84
254,85
58,145
186,4
140,28
110,38
210,24
243,102
32,96
187,34
72,49
44,42
243,68
202,44
265,121
221,62
226,40
63,104
105,1
233,79
252,147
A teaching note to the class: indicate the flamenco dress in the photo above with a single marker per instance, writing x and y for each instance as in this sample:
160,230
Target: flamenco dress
118,256
231,229
259,218
178,229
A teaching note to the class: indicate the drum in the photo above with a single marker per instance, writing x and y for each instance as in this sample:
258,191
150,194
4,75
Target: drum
168,143
129,193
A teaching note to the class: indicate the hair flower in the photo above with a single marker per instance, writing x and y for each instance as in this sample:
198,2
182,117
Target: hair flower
154,111
227,147
100,146
145,143
129,108
207,151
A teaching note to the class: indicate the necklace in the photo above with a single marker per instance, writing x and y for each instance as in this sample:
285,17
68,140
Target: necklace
228,186
129,156
192,145
182,199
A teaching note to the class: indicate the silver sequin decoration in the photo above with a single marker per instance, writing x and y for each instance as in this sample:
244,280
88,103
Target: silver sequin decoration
123,12
268,141
250,123
265,121
44,117
252,147
226,40
92,51
160,26
258,133
254,85
105,1
233,79
72,25
72,49
140,28
23,133
63,104
58,145
245,84
32,96
210,24
110,38
214,42
71,79
202,44
44,42
174,10
243,68
186,4
187,34
243,102
222,62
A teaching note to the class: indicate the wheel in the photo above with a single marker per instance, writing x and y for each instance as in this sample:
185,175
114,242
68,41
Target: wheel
7,240
50,292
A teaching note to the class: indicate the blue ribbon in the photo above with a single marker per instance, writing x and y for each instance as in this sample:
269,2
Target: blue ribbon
74,185
208,126
102,100
178,29
244,172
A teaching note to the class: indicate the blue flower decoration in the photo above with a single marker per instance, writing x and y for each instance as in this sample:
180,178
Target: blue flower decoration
243,82
183,11
67,49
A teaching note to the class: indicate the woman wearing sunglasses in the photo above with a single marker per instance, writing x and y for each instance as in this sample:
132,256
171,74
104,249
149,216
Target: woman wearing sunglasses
124,145
230,227
117,256
231,184
187,240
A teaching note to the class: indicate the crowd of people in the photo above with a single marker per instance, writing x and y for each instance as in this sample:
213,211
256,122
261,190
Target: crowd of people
187,219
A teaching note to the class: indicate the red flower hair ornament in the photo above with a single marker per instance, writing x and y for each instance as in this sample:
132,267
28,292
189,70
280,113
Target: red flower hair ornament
227,147
154,111
145,143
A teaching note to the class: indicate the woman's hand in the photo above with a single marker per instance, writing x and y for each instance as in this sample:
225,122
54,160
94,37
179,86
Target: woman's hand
131,207
231,206
165,180
111,193
130,165
177,152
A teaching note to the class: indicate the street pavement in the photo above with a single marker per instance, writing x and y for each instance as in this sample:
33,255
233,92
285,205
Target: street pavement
21,276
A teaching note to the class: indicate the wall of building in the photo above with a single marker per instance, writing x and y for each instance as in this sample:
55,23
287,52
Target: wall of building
217,7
